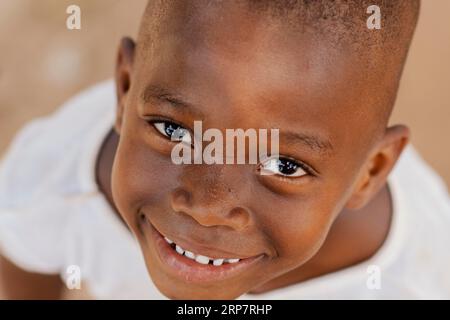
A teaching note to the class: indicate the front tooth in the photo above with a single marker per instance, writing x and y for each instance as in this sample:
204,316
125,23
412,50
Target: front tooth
189,254
202,259
232,260
218,262
168,240
179,249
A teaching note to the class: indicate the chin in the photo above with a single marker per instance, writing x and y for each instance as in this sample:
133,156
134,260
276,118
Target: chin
176,291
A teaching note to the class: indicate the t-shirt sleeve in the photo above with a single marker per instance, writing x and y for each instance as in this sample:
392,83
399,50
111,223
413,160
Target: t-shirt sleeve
32,225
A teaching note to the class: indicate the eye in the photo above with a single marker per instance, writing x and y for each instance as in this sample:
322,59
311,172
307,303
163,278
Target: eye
282,167
173,131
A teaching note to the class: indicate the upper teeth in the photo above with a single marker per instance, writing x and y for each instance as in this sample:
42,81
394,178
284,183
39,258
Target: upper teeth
198,257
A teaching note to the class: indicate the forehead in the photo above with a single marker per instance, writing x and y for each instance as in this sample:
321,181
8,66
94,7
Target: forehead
259,70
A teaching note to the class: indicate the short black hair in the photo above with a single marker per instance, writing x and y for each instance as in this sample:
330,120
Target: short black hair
343,21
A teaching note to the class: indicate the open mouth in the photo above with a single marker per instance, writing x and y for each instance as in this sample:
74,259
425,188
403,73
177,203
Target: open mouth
194,267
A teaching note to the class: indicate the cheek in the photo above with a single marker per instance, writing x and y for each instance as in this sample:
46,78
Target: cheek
305,236
299,227
317,214
140,177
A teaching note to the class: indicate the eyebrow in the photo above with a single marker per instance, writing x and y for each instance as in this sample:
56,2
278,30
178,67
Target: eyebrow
161,93
313,142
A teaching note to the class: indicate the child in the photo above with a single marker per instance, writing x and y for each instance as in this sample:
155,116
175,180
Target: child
92,192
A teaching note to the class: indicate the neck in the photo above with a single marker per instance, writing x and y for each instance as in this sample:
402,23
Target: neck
105,160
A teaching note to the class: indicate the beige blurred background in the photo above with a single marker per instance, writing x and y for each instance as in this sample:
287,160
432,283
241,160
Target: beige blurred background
42,63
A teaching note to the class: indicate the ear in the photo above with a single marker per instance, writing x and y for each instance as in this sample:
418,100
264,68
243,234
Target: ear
378,166
124,66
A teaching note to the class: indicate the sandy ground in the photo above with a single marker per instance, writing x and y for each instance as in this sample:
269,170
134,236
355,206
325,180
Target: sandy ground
42,64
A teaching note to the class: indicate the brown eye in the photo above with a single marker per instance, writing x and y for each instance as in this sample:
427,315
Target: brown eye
172,131
283,167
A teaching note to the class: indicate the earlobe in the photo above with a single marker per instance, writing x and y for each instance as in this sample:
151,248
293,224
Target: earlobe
123,73
378,166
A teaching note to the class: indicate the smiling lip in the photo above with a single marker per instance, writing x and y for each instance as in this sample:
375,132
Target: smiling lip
192,271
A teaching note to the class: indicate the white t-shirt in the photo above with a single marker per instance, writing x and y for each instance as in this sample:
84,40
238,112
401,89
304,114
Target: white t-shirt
52,216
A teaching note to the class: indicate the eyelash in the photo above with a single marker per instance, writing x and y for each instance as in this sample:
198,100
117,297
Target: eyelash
303,166
165,134
300,164
156,120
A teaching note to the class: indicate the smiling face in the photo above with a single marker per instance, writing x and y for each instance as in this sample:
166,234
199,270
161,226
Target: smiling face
233,69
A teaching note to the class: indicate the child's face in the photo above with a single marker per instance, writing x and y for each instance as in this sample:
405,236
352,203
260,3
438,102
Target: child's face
230,73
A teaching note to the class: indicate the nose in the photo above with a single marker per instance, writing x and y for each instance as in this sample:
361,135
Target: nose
207,194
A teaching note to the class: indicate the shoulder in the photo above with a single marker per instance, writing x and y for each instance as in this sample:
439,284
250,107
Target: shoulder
49,149
420,227
419,186
43,201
